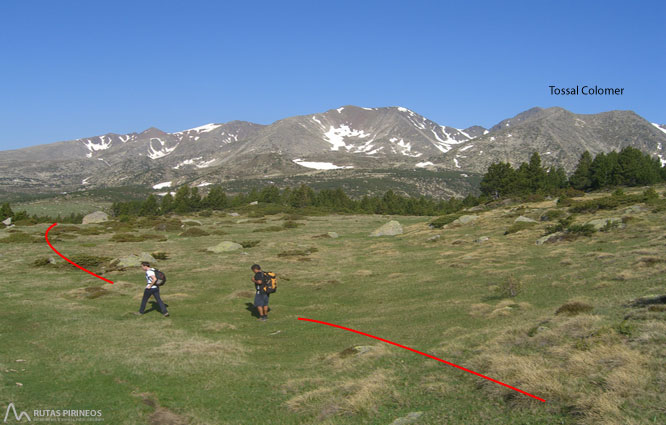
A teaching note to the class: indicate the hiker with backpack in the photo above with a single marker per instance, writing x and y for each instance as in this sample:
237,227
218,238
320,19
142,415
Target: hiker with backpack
154,279
265,284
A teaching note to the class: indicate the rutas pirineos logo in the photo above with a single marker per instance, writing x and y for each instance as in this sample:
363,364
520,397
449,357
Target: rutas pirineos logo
18,416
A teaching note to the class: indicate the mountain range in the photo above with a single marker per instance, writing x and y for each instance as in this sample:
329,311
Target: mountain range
336,144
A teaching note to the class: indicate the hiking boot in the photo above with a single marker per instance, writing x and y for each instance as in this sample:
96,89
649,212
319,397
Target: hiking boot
166,314
264,318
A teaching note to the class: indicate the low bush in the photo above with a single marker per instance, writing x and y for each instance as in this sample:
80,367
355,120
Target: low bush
20,237
291,224
85,260
518,226
250,244
269,229
581,229
160,255
42,262
551,215
194,232
442,221
573,308
297,252
130,237
509,287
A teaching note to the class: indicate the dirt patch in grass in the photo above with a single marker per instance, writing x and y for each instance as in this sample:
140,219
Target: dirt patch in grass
218,326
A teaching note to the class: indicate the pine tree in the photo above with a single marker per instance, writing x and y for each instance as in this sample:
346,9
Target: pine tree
149,207
181,201
499,180
536,175
167,204
6,211
580,179
216,198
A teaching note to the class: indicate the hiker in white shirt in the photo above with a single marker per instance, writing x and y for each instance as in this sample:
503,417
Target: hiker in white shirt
151,289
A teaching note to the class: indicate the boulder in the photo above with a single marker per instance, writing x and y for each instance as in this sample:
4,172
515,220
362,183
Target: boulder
225,246
634,209
523,219
254,203
434,238
133,260
464,219
411,418
558,236
332,235
599,223
96,217
7,221
234,214
482,239
391,228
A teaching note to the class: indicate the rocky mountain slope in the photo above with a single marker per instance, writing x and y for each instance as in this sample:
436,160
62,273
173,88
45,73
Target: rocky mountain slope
350,139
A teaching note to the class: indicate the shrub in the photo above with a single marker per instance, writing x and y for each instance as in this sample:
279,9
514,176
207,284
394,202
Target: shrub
562,224
291,224
297,252
551,215
194,232
250,244
442,221
20,237
573,308
509,287
171,225
518,226
269,229
129,237
41,262
160,255
85,260
581,229
610,225
206,213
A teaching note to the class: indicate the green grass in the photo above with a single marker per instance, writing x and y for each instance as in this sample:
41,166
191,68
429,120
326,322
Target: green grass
211,362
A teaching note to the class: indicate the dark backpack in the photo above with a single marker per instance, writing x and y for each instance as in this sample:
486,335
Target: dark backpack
161,278
269,282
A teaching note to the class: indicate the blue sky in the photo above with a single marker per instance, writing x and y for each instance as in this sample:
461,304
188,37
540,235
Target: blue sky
74,69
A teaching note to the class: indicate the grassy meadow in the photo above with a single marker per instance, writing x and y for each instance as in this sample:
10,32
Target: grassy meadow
70,341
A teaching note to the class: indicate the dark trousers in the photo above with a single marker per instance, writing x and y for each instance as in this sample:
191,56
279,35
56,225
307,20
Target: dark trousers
156,293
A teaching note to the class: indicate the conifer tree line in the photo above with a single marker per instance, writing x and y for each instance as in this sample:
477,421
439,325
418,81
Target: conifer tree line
629,167
187,200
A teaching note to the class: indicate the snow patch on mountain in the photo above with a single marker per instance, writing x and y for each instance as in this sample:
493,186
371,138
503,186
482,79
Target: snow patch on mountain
197,162
319,165
404,148
336,136
202,128
424,164
97,146
445,145
464,148
162,185
659,127
162,151
204,184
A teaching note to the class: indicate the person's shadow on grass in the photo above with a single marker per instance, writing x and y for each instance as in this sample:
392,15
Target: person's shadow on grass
155,307
252,309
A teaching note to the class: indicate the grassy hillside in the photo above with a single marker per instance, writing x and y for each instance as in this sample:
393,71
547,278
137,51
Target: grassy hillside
571,335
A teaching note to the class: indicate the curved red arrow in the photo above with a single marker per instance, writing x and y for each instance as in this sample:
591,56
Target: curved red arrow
424,354
46,236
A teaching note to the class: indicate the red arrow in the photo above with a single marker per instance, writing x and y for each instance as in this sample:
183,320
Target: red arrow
46,236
